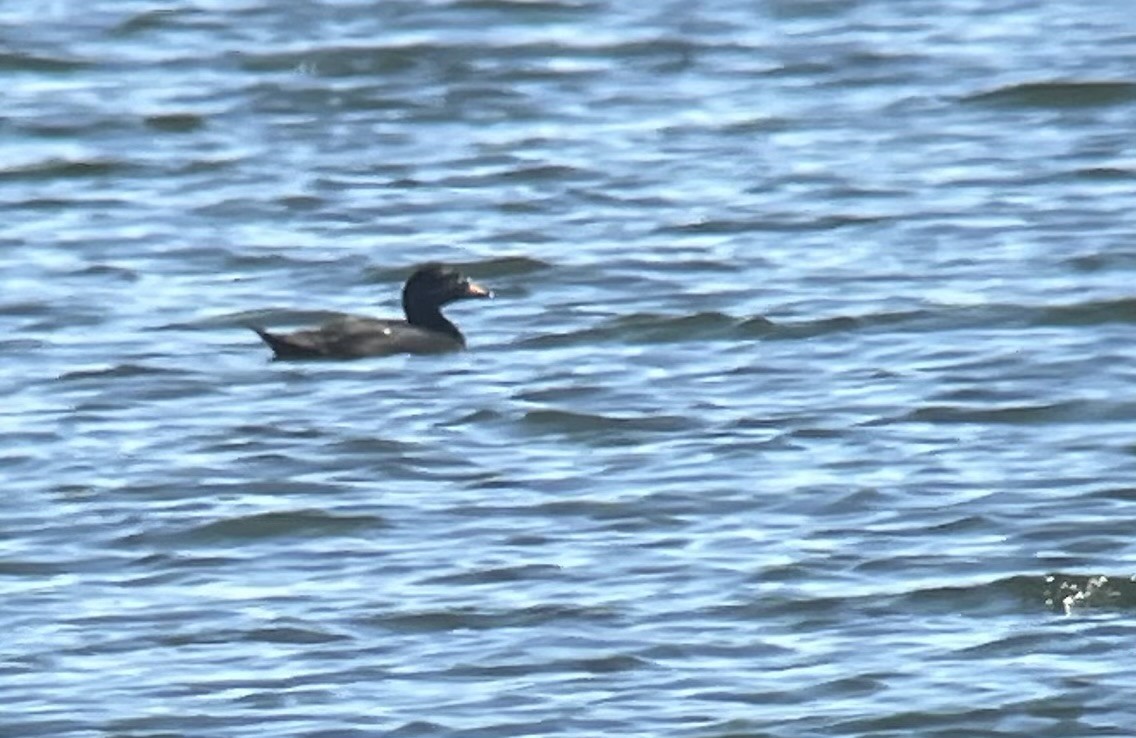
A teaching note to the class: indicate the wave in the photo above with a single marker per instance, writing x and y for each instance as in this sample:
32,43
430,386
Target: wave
54,168
291,523
1058,94
14,61
587,424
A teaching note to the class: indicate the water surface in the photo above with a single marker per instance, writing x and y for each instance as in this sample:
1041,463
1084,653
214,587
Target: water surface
804,408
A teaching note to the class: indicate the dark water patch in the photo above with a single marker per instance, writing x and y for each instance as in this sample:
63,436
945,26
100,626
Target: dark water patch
946,723
416,729
810,609
303,203
1125,495
583,508
291,634
760,327
266,486
655,328
1104,174
52,727
484,179
499,575
1100,262
1025,414
241,262
470,618
477,417
524,236
275,431
405,459
1096,312
16,568
209,484
55,204
528,540
424,470
653,515
424,59
1004,646
71,319
809,433
594,427
99,397
799,70
910,319
122,371
811,328
151,20
15,463
977,599
64,169
537,174
174,726
1058,94
72,127
652,328
374,446
239,207
610,664
15,61
732,226
204,165
166,561
245,451
121,274
292,524
809,9
175,122
939,318
562,394
488,99
28,309
965,317
531,10
757,125
435,621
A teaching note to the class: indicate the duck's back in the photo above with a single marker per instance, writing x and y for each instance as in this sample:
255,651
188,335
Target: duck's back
353,336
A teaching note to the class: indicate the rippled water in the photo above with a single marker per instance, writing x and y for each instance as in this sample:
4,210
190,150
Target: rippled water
805,407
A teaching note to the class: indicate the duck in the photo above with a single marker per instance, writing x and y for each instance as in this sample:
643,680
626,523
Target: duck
429,288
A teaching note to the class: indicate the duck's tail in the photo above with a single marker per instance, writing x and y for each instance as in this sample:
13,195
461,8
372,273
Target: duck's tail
282,348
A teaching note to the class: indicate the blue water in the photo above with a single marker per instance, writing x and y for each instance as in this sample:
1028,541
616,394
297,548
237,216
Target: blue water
804,408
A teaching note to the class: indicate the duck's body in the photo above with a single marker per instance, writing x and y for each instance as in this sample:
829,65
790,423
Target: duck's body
356,336
425,330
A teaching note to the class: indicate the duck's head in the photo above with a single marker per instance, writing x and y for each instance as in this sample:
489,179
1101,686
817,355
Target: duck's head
434,285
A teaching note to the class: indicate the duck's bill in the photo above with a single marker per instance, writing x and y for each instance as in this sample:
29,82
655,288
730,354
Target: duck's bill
473,289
